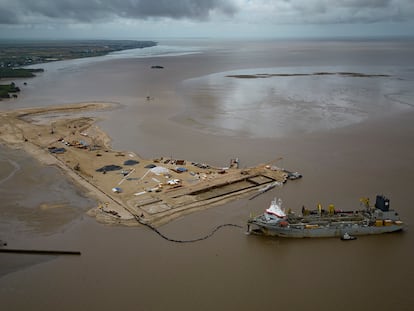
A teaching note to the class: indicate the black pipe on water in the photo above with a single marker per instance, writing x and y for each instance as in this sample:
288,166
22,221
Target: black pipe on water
38,252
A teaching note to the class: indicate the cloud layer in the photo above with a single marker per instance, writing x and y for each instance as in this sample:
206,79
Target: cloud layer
328,11
238,11
89,11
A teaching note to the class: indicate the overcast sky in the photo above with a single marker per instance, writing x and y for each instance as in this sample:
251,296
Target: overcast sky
134,19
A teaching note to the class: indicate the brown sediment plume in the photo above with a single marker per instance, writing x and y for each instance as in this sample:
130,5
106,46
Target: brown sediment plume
126,185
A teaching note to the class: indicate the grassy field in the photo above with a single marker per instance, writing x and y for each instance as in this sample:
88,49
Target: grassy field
18,72
6,89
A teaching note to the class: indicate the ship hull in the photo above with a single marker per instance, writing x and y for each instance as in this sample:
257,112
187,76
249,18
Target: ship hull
320,232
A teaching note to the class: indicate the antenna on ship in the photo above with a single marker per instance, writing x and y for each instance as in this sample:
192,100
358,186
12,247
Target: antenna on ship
364,202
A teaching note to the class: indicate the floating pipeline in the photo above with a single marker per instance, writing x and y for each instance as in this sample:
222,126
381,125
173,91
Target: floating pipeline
186,241
39,252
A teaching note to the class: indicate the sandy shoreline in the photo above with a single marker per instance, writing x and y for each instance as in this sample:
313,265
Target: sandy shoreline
152,191
13,134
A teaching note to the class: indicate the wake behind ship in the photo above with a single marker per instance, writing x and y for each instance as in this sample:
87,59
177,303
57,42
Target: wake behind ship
332,223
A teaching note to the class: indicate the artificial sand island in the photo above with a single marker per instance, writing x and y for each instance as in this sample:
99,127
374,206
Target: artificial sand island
129,188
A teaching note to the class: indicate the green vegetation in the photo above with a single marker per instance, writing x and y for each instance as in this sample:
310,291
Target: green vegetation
5,89
18,53
18,72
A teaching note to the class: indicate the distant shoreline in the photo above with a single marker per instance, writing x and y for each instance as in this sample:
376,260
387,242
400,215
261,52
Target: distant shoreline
16,54
342,74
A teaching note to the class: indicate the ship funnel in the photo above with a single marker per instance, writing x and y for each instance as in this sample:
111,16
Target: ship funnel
382,203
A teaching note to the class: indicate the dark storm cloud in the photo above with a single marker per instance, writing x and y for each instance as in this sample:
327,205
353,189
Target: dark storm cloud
7,16
351,11
253,11
21,11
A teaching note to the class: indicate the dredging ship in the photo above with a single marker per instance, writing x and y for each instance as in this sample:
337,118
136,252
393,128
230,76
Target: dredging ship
327,223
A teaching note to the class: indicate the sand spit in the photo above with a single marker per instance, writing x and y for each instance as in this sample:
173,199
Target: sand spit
127,187
341,74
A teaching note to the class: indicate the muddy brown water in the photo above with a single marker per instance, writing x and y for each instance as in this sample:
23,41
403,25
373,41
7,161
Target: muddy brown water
133,268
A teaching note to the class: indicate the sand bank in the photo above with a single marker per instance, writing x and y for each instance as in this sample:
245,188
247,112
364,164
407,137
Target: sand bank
127,187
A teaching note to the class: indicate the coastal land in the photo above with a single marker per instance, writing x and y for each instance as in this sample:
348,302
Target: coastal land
18,53
6,89
127,186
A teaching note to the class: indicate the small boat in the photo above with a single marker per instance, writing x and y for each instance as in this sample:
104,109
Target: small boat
266,188
292,175
347,237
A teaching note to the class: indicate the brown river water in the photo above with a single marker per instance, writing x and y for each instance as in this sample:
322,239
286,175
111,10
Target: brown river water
349,136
